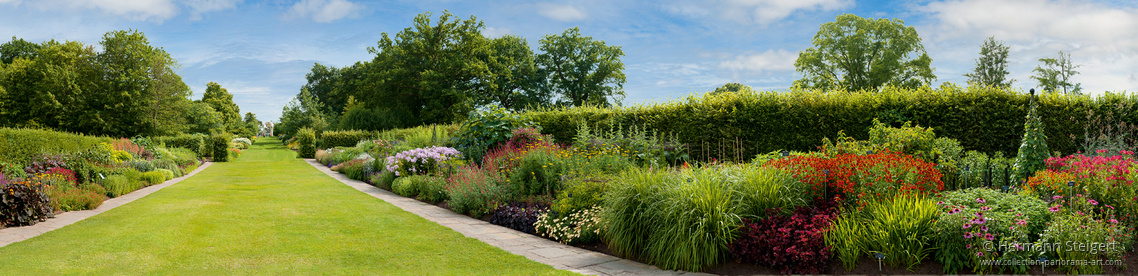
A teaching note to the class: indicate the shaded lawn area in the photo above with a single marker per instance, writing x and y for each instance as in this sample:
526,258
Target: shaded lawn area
266,213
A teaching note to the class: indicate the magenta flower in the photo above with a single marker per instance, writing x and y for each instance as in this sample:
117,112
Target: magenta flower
1021,222
1114,221
967,235
1111,207
1057,197
1092,202
984,228
1010,228
969,246
967,225
980,200
979,214
1054,209
985,208
981,254
989,236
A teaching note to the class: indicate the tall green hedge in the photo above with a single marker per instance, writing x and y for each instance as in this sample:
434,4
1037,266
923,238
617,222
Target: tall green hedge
193,142
219,146
345,138
19,146
981,118
306,137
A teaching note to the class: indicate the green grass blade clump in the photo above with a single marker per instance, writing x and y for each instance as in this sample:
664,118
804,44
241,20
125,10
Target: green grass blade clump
687,219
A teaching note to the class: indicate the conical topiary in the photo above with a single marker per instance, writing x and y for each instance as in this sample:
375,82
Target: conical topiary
1033,151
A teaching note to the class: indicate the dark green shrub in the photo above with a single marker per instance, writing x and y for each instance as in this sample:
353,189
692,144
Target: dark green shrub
484,130
153,177
433,189
219,147
383,180
579,195
539,172
23,203
167,173
21,145
118,185
407,186
306,137
193,142
344,138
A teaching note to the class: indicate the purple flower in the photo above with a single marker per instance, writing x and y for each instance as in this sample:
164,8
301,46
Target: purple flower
981,254
1092,202
1056,197
967,235
984,228
1021,222
969,246
989,236
979,214
1054,209
967,225
980,200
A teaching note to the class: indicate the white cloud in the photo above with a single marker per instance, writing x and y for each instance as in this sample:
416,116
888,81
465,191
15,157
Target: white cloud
761,12
561,12
198,7
1028,19
156,10
769,61
496,32
1101,38
323,11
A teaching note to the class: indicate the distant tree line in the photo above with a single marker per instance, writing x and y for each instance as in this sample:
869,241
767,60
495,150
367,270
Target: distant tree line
129,88
439,71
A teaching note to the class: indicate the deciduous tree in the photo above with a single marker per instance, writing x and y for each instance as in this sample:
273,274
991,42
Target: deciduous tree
582,70
858,53
992,65
1055,74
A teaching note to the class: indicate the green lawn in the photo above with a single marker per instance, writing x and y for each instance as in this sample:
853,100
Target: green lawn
266,213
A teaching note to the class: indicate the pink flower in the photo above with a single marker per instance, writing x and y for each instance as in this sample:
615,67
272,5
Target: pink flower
1114,221
980,200
967,225
1111,207
1092,202
984,228
969,246
989,236
979,214
1021,222
1054,209
1010,228
985,208
981,254
1056,197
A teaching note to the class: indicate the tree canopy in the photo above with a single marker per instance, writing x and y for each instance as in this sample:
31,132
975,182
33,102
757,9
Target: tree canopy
582,70
856,53
1054,75
992,65
128,89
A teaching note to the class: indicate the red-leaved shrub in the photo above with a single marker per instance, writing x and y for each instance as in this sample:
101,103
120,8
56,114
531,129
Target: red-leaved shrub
791,244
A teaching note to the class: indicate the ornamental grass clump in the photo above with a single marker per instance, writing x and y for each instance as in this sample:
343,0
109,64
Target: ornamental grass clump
686,219
901,228
421,161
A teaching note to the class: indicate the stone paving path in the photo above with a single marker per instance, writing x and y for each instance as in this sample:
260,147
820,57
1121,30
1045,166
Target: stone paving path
15,234
535,248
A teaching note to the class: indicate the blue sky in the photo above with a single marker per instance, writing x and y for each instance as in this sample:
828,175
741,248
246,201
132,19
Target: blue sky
260,50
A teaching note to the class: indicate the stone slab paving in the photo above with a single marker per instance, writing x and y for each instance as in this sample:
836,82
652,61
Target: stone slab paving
15,234
535,248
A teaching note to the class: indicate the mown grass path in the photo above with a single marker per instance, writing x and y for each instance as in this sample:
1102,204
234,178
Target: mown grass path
266,213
